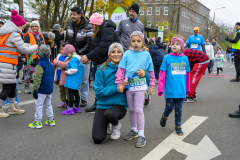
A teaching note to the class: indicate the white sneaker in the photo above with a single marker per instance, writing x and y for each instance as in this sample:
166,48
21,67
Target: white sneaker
2,114
109,129
116,132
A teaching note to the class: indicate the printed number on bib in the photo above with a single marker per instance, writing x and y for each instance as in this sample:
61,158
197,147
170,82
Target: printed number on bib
178,68
137,84
194,45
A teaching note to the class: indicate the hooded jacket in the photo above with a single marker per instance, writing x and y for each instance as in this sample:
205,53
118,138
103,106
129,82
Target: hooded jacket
82,40
159,44
215,47
157,56
105,37
8,71
209,50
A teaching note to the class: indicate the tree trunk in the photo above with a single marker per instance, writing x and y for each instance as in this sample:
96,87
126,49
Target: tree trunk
85,9
63,12
47,13
56,10
91,9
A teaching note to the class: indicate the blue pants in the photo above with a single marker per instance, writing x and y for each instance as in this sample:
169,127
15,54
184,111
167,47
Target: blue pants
229,57
16,90
177,105
85,82
212,64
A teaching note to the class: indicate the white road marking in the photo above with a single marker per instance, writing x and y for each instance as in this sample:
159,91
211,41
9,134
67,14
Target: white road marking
231,67
204,150
23,103
215,72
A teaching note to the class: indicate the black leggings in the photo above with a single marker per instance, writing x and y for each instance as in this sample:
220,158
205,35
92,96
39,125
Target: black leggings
237,63
218,70
8,91
73,93
101,119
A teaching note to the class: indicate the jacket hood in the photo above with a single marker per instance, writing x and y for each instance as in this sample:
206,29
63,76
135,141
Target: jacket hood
208,44
158,39
154,46
175,54
9,27
107,24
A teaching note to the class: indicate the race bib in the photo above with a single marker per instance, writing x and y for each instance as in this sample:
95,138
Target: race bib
218,61
178,68
137,84
194,45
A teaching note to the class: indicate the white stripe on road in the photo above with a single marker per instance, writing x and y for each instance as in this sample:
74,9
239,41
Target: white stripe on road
215,72
23,103
204,150
231,67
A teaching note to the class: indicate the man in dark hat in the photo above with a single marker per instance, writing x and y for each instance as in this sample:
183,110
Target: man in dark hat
236,50
127,26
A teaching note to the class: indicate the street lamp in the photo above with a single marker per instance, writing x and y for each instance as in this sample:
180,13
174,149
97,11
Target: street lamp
214,12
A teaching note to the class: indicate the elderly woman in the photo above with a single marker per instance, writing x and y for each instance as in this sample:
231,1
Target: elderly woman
33,36
11,44
111,105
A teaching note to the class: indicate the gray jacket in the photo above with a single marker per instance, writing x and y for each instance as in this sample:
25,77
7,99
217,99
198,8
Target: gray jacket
8,71
215,47
125,28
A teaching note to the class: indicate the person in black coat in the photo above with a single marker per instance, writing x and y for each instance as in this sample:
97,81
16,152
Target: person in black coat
157,57
104,35
56,31
160,44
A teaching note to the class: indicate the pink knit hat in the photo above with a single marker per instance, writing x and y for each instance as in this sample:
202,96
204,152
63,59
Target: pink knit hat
178,40
17,19
96,19
68,49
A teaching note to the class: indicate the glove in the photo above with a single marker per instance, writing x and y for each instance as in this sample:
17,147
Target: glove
35,95
226,38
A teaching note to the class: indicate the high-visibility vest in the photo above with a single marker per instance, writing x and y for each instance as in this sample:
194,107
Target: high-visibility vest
236,45
33,42
8,54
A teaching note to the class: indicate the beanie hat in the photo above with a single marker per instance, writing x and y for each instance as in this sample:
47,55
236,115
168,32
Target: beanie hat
44,50
219,52
115,45
51,35
17,19
238,23
56,26
196,28
138,33
134,7
178,40
68,49
96,19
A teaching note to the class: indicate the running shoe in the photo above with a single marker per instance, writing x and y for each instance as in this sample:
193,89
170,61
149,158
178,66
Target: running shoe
163,121
131,135
76,110
109,129
188,100
195,97
116,132
141,141
35,125
50,123
68,112
234,80
179,131
147,102
62,104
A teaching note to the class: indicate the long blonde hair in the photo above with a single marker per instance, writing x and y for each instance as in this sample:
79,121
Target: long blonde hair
105,63
96,31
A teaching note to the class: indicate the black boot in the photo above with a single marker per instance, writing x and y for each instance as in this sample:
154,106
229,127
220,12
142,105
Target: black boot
83,103
235,114
93,108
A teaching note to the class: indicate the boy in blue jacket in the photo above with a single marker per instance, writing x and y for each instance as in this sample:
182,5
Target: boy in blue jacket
43,88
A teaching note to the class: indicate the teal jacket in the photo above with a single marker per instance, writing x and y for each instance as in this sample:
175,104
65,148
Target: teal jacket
219,61
106,89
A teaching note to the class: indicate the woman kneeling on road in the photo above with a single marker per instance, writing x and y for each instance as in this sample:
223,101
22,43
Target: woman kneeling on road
111,105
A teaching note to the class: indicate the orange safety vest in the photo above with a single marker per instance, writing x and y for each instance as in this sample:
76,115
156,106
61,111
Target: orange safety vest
33,42
8,54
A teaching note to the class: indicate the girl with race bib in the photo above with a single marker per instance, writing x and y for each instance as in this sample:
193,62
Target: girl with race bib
174,78
134,59
219,61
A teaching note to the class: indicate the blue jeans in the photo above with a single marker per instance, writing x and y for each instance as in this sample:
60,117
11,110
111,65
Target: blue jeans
212,64
16,90
85,82
229,57
175,104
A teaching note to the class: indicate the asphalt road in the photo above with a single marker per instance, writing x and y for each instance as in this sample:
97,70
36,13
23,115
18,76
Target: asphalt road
71,137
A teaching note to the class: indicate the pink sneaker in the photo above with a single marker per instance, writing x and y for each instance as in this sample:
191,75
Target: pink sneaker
62,104
77,110
68,112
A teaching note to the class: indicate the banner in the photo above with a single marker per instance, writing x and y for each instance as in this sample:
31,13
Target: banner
118,15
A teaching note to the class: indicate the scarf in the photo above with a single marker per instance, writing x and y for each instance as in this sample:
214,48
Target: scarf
36,34
134,20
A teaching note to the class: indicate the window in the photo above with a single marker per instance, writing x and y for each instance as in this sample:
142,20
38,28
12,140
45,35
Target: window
165,23
165,11
189,28
185,28
149,11
158,0
149,24
183,13
182,26
157,10
187,14
141,11
157,23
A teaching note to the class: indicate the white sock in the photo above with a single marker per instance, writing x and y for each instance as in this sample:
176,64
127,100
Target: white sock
134,129
141,133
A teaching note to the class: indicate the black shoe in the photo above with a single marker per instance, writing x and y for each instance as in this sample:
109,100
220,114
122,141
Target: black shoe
188,100
209,71
179,131
31,81
91,109
147,102
163,121
83,103
234,80
194,97
235,114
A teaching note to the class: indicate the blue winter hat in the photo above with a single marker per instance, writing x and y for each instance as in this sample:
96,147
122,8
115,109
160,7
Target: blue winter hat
44,50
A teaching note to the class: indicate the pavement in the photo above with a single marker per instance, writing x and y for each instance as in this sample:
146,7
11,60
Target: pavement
71,137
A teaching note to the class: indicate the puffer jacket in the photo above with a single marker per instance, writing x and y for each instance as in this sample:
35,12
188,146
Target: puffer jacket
105,37
157,57
209,50
8,71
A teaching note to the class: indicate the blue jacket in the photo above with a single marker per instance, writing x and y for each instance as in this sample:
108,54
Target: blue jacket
106,89
157,56
74,81
44,76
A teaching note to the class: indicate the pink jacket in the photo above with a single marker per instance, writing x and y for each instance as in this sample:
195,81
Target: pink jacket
63,66
162,78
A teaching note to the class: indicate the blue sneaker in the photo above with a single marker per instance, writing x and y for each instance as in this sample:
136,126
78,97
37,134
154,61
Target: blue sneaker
16,100
7,102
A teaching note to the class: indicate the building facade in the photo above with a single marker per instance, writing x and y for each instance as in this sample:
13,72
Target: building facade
180,16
